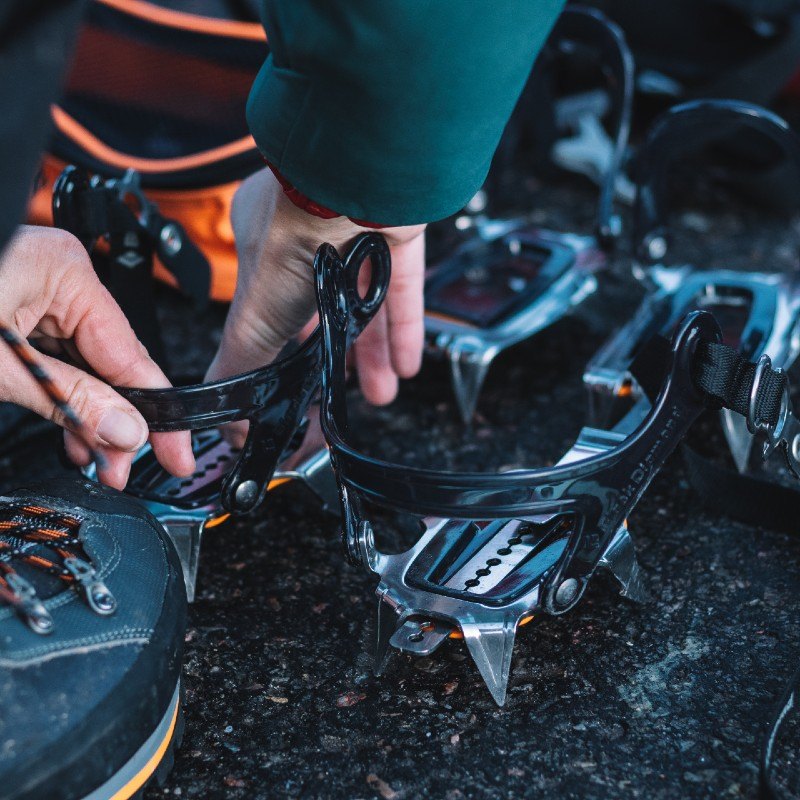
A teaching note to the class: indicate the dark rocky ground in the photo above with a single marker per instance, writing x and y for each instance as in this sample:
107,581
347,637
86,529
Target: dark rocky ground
664,700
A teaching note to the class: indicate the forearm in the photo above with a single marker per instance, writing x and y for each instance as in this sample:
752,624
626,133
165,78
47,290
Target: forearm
391,112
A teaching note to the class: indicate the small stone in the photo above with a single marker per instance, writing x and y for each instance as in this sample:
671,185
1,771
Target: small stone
381,787
349,699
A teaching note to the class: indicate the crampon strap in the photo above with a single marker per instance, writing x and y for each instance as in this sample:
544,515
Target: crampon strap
736,383
728,379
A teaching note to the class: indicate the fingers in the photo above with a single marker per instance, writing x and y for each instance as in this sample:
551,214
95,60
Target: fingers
110,424
274,296
261,322
50,289
391,345
106,341
405,307
116,466
376,376
76,449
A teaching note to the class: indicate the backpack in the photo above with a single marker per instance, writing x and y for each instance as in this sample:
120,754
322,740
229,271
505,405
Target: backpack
163,91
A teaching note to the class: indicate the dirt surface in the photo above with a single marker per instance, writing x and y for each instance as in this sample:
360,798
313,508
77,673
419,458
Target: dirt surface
613,700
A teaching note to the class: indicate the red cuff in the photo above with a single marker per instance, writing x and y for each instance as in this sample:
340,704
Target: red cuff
309,206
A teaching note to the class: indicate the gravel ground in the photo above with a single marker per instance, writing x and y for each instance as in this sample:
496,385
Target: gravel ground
613,700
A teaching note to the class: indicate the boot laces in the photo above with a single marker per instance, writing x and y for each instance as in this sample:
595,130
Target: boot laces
35,542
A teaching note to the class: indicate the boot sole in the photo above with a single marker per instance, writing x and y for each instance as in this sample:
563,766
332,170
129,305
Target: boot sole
152,761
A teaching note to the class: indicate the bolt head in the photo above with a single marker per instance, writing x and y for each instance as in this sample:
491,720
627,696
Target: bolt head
171,239
567,591
246,494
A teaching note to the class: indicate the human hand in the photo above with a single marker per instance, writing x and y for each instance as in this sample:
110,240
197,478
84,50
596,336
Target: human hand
274,300
51,294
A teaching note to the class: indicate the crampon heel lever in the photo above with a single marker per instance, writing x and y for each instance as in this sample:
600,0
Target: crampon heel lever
282,443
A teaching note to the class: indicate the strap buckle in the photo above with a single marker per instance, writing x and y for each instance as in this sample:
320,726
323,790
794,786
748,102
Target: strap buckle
754,424
785,433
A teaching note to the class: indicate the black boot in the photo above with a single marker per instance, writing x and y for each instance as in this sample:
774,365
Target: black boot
92,621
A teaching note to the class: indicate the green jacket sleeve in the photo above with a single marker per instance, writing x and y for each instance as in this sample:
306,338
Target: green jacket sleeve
391,111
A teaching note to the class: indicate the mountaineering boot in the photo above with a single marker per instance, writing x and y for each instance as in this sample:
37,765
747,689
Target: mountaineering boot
92,621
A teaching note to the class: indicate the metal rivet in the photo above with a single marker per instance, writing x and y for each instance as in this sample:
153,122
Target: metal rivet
103,601
246,493
171,239
567,591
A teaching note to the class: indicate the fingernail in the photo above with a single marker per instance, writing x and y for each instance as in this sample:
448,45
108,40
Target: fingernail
120,430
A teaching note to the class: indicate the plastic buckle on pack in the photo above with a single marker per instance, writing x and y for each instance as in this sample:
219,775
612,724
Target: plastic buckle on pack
759,312
513,279
117,209
275,400
117,212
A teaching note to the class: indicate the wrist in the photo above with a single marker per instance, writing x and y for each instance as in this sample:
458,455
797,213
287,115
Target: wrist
309,206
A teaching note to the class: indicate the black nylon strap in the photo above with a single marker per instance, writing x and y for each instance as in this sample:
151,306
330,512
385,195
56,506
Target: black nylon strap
728,378
720,372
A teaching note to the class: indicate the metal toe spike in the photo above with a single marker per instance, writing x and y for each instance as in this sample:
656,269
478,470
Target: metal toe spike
740,440
491,646
620,560
385,627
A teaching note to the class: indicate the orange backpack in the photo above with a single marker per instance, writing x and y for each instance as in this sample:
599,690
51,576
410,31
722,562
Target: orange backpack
162,92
